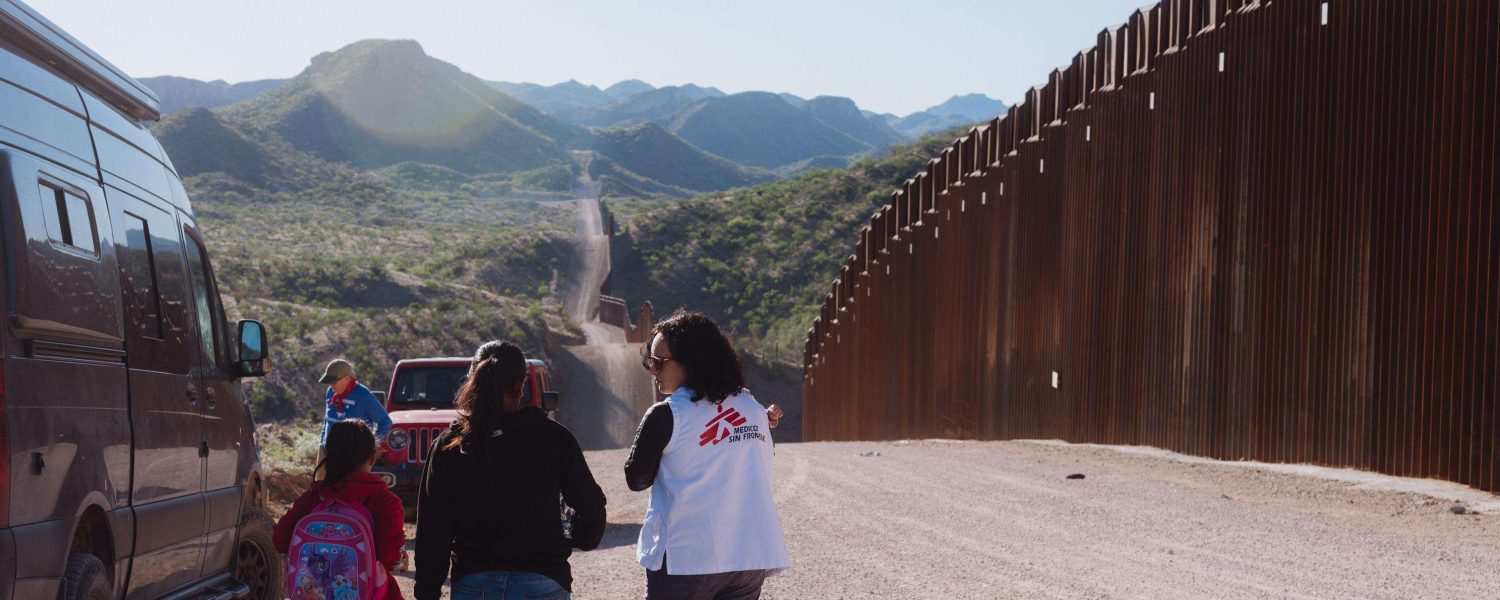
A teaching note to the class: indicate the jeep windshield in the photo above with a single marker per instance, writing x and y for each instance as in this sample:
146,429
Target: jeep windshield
429,385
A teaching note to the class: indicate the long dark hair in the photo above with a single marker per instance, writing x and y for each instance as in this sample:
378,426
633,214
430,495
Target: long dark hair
349,444
498,367
713,367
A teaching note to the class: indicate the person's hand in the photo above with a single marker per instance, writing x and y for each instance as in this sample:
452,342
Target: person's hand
774,414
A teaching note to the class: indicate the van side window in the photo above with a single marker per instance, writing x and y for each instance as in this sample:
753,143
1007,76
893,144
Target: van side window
204,303
139,262
70,218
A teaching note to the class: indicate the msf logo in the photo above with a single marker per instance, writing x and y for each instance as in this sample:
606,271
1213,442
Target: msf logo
719,427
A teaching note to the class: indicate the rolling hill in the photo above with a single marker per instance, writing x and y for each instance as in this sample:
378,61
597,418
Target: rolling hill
758,258
957,111
629,87
652,105
842,114
201,142
387,108
760,129
378,102
648,148
567,96
179,93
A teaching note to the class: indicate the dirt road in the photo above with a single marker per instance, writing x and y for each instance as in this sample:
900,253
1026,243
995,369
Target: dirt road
603,386
1000,520
984,520
581,300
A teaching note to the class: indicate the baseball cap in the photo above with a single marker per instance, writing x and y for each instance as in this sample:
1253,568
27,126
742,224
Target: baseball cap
338,368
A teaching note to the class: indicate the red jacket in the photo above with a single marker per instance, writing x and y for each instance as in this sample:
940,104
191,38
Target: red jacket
388,520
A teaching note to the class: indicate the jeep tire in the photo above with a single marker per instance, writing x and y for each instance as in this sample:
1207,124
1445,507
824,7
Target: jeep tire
256,562
86,579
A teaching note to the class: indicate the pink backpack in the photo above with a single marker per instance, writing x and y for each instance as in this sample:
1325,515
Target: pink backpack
332,555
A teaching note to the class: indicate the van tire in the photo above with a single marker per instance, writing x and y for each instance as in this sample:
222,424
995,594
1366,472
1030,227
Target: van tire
256,562
86,579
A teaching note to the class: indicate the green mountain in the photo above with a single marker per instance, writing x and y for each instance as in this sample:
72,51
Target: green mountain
831,131
972,107
627,101
647,148
653,105
376,103
551,99
616,181
386,111
760,129
843,115
758,259
178,93
816,162
958,111
201,142
629,87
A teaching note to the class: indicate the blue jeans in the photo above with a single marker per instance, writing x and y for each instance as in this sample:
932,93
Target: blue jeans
508,585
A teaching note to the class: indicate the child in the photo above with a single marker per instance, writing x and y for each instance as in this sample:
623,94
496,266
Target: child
351,455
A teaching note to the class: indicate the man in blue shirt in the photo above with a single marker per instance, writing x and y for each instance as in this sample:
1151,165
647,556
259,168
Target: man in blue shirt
350,399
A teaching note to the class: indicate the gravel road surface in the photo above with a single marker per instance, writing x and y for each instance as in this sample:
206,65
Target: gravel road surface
939,519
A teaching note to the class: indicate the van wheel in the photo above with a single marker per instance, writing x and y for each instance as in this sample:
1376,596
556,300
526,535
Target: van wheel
86,579
256,563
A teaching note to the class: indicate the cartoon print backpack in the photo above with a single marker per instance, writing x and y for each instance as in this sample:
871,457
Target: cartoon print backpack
332,555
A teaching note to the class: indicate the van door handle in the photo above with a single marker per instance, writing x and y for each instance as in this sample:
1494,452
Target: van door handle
192,396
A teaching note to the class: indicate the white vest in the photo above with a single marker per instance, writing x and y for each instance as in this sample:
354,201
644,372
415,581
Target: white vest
711,509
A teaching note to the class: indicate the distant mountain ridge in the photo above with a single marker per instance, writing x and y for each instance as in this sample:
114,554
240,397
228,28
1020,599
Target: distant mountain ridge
956,111
378,103
629,87
613,105
651,105
781,132
649,148
178,93
386,108
760,129
568,95
844,115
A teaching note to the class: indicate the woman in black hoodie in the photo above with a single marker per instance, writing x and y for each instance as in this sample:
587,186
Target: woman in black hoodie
488,504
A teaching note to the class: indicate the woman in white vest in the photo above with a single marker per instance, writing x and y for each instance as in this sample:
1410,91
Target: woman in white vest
711,529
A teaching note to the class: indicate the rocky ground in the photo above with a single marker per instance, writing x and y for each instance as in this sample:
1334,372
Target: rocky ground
943,519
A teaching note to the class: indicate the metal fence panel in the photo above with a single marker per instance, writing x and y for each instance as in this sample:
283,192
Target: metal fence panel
1260,229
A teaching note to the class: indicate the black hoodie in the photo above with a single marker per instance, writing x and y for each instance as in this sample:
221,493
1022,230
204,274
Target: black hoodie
491,504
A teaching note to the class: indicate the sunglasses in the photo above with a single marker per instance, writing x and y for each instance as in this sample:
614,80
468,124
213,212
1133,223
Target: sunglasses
653,363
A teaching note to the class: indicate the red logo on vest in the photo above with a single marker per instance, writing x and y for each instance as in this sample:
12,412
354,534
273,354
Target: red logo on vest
718,428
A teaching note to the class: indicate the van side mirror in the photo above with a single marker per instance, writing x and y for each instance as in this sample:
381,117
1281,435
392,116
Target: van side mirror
381,397
551,400
253,350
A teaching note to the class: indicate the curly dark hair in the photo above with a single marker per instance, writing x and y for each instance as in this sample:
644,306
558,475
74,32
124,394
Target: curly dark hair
712,366
494,373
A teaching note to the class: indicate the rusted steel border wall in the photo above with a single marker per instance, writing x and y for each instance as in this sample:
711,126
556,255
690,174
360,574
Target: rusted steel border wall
614,311
1261,230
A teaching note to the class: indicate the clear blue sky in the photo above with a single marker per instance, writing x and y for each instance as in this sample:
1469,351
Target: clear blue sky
888,56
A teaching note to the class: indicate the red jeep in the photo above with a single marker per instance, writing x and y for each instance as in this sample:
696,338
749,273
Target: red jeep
420,402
